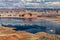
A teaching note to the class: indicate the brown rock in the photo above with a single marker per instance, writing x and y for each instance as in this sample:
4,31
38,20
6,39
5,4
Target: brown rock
46,36
24,35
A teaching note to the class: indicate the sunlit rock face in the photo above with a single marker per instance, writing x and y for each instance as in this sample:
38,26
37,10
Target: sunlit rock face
6,30
46,36
10,34
22,35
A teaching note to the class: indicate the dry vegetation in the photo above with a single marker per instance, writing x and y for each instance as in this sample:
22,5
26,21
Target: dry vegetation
10,34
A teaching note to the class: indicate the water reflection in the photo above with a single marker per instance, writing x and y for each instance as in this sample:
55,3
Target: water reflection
28,20
31,25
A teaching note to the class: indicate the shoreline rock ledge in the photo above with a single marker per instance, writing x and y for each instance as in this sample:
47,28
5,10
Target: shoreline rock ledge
10,34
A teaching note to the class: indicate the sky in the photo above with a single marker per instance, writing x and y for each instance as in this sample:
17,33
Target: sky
29,4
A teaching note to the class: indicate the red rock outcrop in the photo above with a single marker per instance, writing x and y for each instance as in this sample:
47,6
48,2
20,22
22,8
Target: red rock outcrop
10,34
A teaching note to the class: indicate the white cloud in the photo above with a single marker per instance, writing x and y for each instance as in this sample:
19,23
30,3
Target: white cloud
10,0
52,4
23,3
29,0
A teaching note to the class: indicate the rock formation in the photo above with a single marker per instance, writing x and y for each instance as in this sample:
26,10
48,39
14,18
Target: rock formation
10,34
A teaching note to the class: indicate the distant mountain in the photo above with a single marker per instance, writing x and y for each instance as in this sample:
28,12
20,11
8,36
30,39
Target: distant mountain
41,9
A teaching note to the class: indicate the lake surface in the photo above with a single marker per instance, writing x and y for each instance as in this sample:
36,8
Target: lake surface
31,25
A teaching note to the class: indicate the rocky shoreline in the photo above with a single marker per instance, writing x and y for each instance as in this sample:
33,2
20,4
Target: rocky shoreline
10,34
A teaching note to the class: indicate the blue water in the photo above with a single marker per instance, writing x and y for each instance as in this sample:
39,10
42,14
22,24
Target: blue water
32,26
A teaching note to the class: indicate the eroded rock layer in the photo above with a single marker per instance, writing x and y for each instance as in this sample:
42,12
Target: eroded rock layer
10,34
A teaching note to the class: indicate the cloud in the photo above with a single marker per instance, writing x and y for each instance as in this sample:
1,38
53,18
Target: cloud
53,0
52,4
44,5
29,3
11,4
